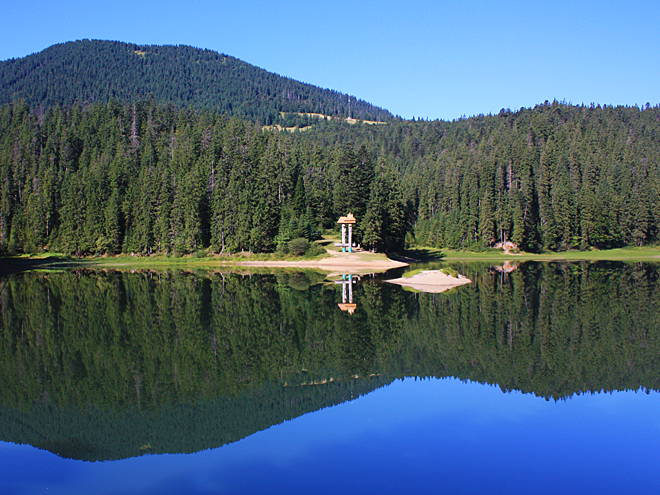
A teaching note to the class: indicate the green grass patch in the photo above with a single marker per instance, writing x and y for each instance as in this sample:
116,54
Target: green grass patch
411,289
646,253
446,270
412,273
205,260
201,259
328,242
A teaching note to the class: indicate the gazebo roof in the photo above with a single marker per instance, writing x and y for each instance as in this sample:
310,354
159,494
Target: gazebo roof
347,219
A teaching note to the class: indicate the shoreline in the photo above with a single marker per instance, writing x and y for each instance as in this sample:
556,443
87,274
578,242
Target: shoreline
338,264
630,253
361,262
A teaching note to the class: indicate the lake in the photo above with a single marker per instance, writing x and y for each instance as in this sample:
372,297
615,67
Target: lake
535,378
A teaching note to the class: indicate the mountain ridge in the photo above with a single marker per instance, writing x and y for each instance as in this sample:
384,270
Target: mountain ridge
95,71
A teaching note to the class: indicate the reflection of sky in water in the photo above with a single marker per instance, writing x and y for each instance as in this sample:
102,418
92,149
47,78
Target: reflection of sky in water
426,436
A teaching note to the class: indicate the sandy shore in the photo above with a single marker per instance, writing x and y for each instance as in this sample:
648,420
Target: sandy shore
431,281
342,264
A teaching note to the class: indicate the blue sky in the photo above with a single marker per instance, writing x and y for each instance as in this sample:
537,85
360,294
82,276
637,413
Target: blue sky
430,59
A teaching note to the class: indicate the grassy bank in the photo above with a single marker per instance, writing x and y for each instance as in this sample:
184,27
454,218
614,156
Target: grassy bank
200,260
14,264
647,253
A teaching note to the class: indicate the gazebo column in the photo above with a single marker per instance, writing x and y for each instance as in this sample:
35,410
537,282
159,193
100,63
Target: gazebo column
344,221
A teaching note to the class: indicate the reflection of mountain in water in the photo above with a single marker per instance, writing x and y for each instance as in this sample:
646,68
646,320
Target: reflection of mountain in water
92,433
147,356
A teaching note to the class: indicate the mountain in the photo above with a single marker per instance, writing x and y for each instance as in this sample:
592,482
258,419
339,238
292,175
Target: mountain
95,71
141,169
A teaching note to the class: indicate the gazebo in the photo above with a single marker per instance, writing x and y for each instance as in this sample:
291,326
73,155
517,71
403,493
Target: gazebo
344,221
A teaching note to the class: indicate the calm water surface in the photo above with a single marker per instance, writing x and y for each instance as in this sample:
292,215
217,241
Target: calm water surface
540,378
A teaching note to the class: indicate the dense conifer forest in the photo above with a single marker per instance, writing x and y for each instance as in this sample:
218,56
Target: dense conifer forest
96,71
165,174
149,179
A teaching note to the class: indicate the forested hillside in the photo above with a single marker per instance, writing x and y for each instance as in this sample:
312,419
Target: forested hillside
96,71
110,147
150,178
553,177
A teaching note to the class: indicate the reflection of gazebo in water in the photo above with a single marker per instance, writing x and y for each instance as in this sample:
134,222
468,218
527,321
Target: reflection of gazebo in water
347,281
344,221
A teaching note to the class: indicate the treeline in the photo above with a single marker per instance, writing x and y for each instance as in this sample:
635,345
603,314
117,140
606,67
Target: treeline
97,71
148,178
554,177
144,178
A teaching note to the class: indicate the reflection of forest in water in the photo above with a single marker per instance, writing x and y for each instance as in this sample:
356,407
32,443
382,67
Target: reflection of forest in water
181,361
